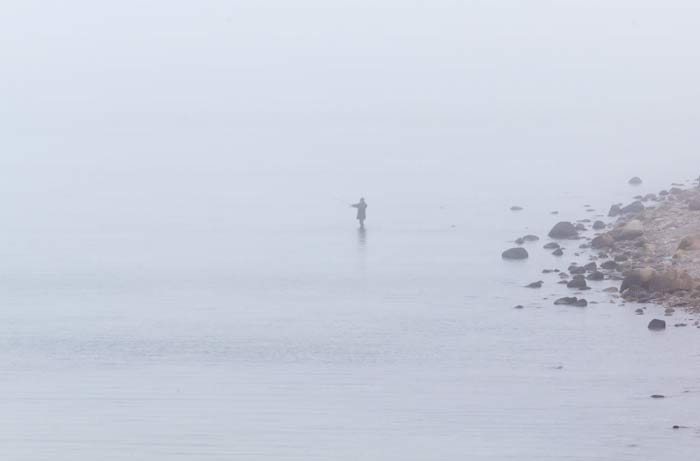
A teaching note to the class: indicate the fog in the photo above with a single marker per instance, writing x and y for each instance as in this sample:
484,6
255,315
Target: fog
133,103
182,276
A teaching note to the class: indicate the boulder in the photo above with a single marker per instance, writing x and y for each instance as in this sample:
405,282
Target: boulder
535,284
578,282
581,303
690,243
629,231
598,225
516,208
670,281
657,325
635,181
551,246
563,230
603,241
515,253
531,238
591,267
576,270
596,276
558,252
634,207
580,227
609,265
566,301
615,210
638,278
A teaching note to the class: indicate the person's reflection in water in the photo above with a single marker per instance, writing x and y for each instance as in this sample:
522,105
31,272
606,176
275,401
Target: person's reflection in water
362,237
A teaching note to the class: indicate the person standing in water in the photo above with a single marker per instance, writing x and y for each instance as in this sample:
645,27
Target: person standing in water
361,211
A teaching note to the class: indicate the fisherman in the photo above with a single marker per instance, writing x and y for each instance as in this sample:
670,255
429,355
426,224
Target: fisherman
361,213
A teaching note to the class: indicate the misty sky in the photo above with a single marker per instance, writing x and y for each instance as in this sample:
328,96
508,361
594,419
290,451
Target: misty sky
241,98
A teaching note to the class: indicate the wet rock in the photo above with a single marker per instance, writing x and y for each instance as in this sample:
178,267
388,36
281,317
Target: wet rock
694,204
531,238
598,225
650,197
629,231
519,306
639,311
551,246
581,303
570,301
689,243
596,276
635,181
516,208
658,396
657,325
520,241
676,190
591,267
558,252
609,265
615,210
564,230
580,227
638,278
663,193
515,253
611,290
535,284
671,280
576,270
603,241
634,207
578,282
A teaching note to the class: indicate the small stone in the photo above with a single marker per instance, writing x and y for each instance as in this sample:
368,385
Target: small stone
657,325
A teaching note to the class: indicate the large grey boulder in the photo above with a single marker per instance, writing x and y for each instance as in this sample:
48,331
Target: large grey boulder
628,231
603,241
515,253
615,210
634,207
564,230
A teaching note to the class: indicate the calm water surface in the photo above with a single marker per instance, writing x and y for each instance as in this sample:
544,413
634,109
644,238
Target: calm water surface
271,328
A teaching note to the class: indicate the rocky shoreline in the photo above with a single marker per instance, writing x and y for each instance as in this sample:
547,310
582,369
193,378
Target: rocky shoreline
651,247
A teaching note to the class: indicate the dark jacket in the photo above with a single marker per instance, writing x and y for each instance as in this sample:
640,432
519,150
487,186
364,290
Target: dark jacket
361,213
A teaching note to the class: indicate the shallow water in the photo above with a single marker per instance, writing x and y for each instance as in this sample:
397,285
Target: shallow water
217,332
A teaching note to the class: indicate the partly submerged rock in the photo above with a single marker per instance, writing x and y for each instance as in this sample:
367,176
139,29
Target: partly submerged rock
603,241
578,282
635,181
615,210
634,207
551,246
657,325
537,284
558,252
598,225
629,231
515,253
563,230
516,208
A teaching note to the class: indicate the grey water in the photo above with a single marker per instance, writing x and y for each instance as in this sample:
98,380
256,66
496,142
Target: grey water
278,330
